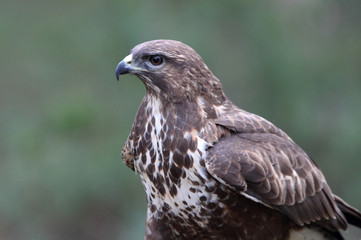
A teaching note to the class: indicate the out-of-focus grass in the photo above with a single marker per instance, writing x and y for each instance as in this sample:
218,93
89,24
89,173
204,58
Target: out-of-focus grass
64,117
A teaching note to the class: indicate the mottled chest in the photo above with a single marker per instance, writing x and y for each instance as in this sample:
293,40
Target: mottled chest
169,156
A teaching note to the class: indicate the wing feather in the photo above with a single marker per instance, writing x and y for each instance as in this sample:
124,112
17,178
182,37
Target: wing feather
127,154
278,173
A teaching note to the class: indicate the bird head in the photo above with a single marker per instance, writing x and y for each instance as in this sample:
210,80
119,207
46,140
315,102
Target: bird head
171,70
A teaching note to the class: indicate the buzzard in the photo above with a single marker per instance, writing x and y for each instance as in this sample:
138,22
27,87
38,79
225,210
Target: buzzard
214,171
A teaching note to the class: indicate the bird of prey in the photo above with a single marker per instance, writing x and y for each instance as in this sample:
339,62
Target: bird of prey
211,170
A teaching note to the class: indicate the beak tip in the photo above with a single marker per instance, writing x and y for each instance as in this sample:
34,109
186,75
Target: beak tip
121,69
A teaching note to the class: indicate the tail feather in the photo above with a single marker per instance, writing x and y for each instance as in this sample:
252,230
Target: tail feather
353,216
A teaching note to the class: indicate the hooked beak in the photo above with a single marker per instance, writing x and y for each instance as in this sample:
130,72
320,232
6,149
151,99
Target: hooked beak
124,66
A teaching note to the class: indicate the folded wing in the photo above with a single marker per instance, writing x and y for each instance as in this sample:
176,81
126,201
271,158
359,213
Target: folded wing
262,163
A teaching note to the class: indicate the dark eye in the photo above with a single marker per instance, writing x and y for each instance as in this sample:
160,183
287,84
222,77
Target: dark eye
156,60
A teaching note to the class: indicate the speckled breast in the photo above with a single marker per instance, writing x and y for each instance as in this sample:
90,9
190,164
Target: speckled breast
169,156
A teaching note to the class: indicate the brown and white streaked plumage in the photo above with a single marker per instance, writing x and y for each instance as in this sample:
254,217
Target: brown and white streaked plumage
213,171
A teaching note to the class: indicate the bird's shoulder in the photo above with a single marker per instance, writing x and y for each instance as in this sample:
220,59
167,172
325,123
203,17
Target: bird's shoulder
241,121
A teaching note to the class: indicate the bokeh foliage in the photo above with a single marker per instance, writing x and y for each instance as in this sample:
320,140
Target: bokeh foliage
64,118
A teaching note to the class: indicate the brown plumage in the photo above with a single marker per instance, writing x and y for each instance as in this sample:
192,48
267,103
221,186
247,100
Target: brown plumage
213,171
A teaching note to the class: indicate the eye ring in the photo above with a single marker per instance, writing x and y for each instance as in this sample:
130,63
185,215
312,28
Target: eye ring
156,60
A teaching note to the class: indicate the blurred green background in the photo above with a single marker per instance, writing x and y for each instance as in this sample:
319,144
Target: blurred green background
64,117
